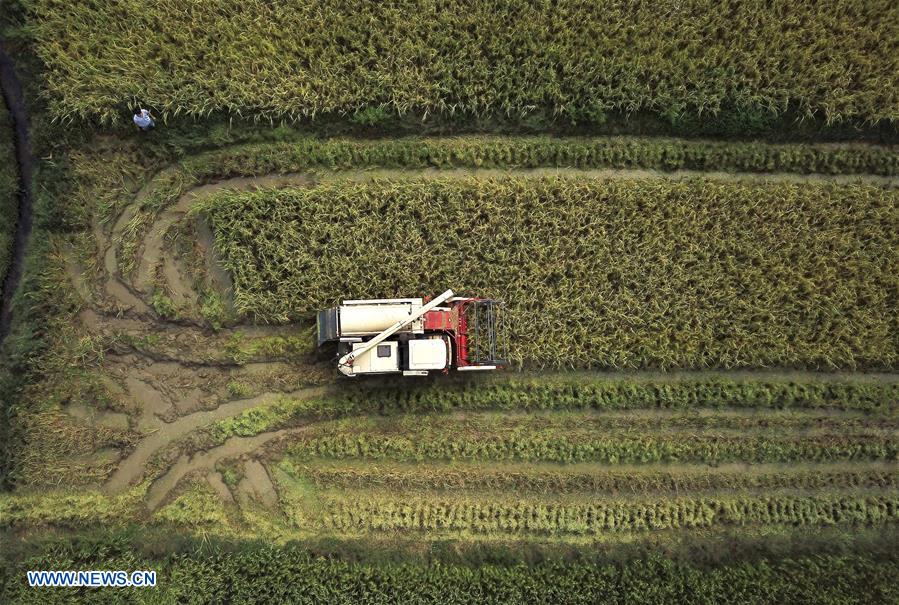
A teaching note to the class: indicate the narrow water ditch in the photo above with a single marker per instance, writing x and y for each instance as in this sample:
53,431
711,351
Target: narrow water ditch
15,102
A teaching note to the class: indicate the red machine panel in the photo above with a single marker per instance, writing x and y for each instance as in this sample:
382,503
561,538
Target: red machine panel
438,321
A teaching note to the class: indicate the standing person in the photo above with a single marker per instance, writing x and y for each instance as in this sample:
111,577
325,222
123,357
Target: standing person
143,119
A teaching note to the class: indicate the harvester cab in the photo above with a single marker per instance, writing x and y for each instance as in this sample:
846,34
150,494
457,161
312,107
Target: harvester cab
415,336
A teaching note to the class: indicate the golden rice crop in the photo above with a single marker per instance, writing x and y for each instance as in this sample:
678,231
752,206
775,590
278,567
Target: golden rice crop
596,273
292,58
361,513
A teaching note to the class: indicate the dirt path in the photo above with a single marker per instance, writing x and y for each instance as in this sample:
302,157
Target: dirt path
257,485
214,478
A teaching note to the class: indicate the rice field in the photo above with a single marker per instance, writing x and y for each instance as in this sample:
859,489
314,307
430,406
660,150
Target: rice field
596,273
572,59
585,475
703,395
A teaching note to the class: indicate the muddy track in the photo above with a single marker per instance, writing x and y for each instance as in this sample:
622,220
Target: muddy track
206,461
15,102
121,305
161,433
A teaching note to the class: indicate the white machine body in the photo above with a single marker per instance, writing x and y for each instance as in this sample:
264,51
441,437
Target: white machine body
370,317
412,336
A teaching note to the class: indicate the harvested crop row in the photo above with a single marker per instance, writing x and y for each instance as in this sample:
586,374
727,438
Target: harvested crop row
530,479
584,391
616,449
579,59
460,515
596,273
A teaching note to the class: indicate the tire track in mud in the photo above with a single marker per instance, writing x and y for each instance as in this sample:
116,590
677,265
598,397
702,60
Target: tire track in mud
206,461
135,315
132,468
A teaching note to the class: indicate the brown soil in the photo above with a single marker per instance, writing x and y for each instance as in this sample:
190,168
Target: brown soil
215,481
257,485
131,468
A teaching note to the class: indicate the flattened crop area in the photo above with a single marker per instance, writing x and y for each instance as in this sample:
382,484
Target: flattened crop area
712,313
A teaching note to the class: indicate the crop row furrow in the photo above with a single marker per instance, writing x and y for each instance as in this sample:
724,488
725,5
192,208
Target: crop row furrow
607,481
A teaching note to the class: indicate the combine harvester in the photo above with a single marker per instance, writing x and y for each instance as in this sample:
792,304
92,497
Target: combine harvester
448,331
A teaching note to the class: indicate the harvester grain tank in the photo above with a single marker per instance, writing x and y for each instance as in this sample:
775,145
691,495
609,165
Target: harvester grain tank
415,336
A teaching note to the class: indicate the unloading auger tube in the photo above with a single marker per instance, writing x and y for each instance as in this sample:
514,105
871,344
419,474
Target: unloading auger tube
345,363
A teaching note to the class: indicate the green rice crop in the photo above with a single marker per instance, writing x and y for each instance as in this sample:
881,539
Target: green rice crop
572,423
614,449
574,391
578,59
584,390
358,512
586,437
618,274
292,574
